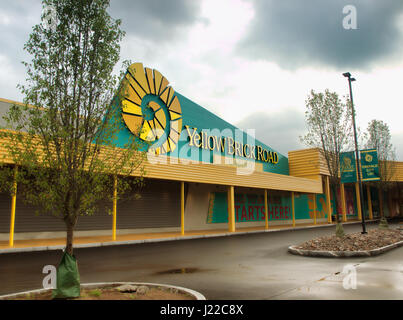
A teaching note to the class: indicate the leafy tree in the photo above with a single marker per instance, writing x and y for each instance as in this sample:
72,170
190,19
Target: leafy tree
64,139
379,138
328,121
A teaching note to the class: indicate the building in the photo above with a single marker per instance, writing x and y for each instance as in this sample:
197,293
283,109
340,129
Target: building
202,174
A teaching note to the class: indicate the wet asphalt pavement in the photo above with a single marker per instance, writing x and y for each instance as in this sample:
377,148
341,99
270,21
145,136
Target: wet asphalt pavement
253,266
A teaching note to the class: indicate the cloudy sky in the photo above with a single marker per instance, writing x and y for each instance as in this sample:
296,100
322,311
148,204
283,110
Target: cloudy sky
251,62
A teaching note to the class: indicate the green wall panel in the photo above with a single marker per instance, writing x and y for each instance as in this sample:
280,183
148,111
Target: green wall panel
250,207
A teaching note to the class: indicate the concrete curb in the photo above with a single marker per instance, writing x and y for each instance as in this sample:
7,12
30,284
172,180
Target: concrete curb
129,242
342,254
193,293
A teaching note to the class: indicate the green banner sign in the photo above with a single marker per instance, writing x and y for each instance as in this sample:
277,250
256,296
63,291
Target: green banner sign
348,170
369,165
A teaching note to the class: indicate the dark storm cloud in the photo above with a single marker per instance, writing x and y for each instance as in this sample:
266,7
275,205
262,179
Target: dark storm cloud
151,20
155,19
295,33
280,130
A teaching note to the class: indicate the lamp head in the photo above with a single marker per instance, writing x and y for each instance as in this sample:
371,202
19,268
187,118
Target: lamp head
352,79
347,74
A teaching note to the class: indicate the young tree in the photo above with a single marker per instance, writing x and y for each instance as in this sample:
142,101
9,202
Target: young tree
64,140
329,128
379,138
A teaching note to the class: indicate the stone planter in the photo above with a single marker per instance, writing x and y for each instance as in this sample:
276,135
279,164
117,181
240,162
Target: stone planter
195,294
340,254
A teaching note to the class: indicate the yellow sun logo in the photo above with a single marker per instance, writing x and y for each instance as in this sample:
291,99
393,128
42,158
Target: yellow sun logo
368,158
150,108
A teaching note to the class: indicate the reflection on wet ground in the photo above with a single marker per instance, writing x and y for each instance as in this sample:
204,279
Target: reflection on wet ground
180,271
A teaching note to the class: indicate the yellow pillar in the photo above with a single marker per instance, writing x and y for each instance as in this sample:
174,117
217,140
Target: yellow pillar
13,204
115,200
293,208
357,194
231,210
371,216
314,208
182,208
343,202
329,206
266,210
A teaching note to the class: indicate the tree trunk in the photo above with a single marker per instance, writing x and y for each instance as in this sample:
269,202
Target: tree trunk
69,238
400,199
389,203
334,188
380,202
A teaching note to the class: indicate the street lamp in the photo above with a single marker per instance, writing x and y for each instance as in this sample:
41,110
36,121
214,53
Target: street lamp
348,75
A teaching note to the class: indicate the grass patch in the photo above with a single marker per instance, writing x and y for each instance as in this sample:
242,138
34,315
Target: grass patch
95,293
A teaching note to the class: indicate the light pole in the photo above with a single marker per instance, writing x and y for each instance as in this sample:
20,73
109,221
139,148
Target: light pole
350,79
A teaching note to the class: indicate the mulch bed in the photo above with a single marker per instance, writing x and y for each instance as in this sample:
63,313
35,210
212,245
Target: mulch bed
374,239
111,293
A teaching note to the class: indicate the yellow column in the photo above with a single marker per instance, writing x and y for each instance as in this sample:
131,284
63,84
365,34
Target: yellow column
343,202
329,206
231,210
314,208
357,193
293,208
371,216
229,207
13,204
182,208
115,200
266,210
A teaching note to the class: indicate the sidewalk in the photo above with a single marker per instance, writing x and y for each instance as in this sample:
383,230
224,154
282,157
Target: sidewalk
98,241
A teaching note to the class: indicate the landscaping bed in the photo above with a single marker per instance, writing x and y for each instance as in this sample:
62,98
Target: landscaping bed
374,239
375,242
116,291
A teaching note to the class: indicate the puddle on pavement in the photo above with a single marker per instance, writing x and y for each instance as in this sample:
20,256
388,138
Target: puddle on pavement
179,271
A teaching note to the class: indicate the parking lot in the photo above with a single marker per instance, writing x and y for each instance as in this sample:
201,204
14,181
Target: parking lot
253,266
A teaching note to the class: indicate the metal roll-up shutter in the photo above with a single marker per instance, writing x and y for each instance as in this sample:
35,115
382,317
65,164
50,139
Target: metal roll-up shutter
100,220
159,206
25,218
28,219
5,212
